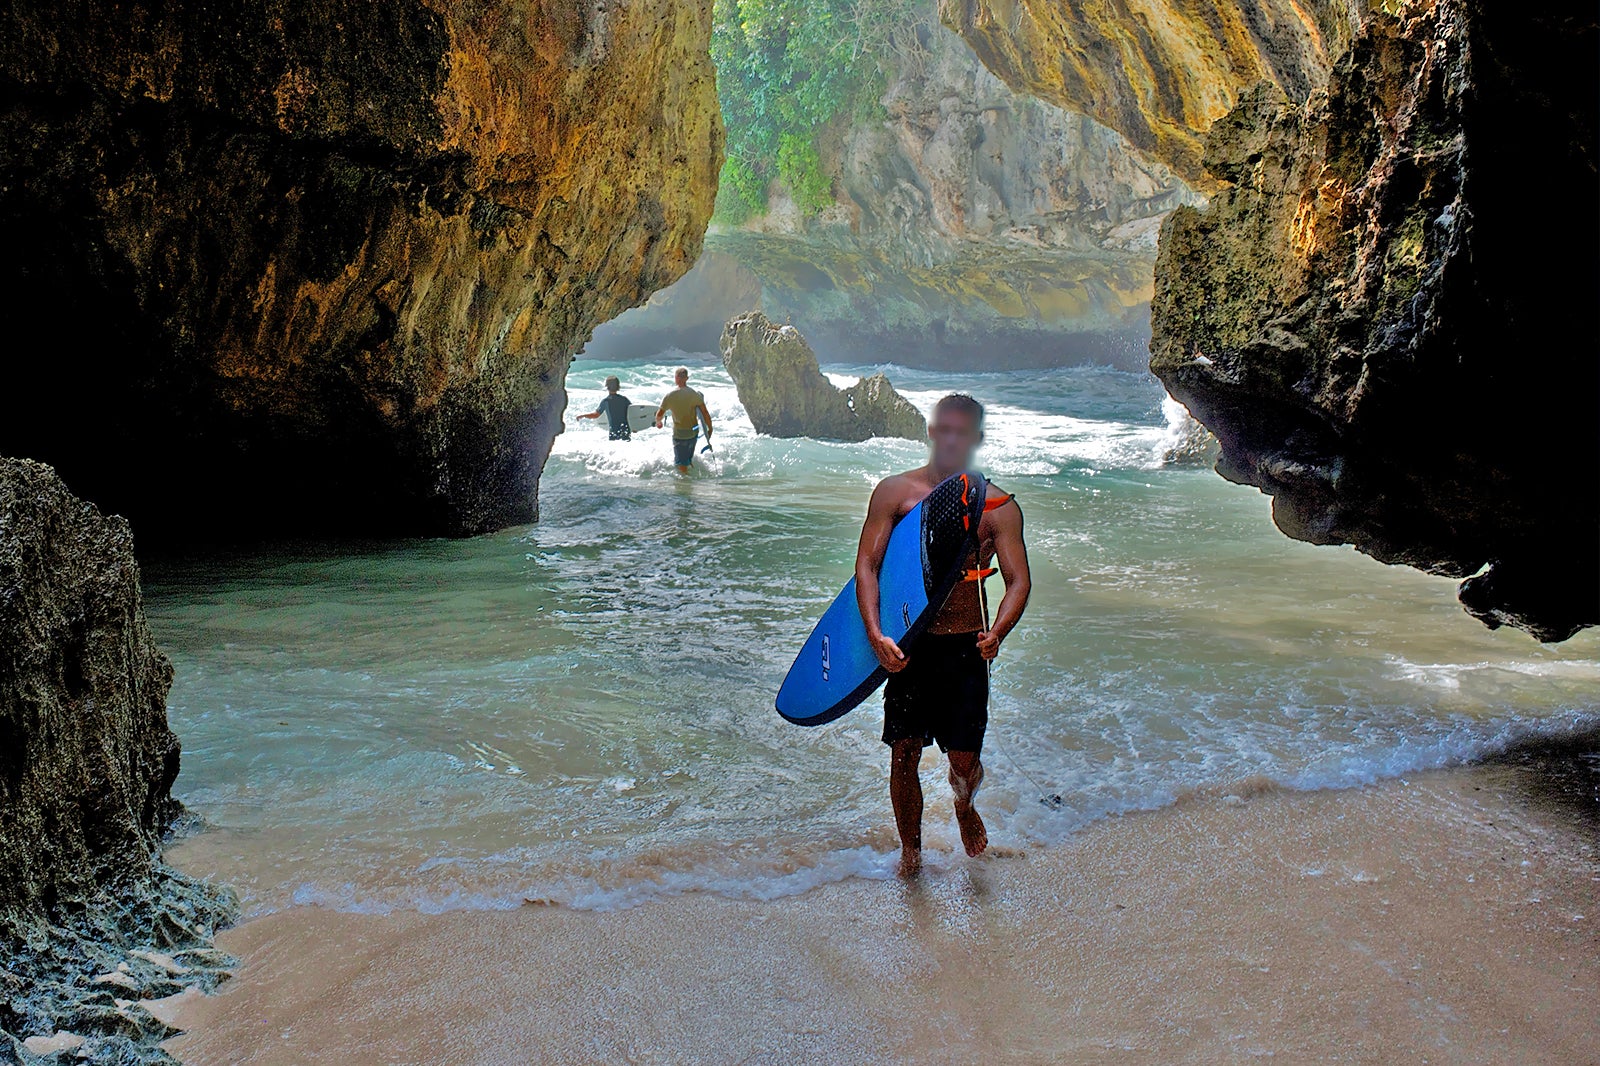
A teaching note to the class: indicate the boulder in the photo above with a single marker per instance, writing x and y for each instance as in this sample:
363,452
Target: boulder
87,762
786,395
86,784
884,412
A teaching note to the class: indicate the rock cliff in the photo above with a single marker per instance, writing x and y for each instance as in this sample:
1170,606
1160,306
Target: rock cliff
1381,332
786,395
324,263
1159,72
968,222
85,777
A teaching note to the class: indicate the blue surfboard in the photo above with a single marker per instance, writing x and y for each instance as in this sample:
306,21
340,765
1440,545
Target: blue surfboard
927,551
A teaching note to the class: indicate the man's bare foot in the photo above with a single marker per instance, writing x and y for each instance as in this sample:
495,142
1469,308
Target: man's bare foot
974,835
910,862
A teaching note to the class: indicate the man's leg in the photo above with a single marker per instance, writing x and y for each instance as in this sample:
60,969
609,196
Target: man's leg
966,774
905,792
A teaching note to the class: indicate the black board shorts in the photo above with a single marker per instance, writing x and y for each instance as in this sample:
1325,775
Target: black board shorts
942,696
683,450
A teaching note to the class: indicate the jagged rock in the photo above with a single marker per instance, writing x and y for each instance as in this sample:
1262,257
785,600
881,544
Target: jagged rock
83,690
324,262
971,223
884,412
1161,72
1382,331
85,777
786,395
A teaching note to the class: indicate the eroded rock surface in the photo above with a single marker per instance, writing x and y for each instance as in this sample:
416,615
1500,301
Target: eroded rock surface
323,263
91,922
1159,72
1382,328
786,395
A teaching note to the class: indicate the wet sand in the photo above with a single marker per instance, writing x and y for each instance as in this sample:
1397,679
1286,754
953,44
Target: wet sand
1451,918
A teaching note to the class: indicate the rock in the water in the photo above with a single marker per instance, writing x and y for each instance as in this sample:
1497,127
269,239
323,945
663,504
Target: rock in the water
884,412
85,780
786,395
1380,331
323,263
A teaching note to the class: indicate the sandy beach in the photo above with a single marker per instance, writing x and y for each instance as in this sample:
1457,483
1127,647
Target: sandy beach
1452,917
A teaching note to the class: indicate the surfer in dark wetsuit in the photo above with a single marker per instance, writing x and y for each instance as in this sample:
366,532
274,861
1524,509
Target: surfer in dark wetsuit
940,693
615,408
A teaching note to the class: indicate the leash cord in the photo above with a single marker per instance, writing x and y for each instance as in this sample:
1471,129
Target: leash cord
1050,799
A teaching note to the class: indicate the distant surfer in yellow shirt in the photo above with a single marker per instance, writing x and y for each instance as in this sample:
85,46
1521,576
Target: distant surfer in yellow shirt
686,406
940,692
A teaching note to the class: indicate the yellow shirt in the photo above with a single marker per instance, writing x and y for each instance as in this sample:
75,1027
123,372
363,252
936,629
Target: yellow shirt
681,403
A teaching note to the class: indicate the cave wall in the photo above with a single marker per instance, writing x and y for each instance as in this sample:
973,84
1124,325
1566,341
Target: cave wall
1159,72
1388,314
969,222
323,264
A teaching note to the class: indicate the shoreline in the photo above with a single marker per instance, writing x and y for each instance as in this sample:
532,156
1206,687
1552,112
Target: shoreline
1453,916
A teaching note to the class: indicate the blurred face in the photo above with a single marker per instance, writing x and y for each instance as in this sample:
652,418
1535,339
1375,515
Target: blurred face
954,436
681,377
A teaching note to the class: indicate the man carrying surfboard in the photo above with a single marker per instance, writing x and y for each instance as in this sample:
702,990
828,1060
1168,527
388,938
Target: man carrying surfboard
615,408
939,693
686,405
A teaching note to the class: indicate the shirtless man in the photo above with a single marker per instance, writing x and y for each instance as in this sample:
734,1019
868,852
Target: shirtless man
940,692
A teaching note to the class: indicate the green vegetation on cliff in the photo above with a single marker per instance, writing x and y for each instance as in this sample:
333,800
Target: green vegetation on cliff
786,70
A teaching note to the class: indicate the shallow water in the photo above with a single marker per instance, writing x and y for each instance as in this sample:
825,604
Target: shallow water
580,711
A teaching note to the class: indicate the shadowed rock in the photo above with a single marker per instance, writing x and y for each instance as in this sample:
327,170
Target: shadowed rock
87,763
1381,327
786,395
1377,328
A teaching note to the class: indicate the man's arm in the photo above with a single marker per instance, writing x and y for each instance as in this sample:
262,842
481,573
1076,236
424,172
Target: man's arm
1012,555
705,416
869,560
661,413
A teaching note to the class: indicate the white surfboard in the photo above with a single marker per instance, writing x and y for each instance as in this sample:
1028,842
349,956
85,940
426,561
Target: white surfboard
641,416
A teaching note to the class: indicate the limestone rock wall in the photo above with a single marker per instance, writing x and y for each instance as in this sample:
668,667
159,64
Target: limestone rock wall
322,264
1159,72
1387,313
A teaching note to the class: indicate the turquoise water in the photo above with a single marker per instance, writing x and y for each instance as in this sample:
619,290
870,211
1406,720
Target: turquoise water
580,711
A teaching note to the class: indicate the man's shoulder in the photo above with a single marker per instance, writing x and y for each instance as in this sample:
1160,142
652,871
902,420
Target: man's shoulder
904,489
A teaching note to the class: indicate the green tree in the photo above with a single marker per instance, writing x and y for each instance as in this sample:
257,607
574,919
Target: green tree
786,71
